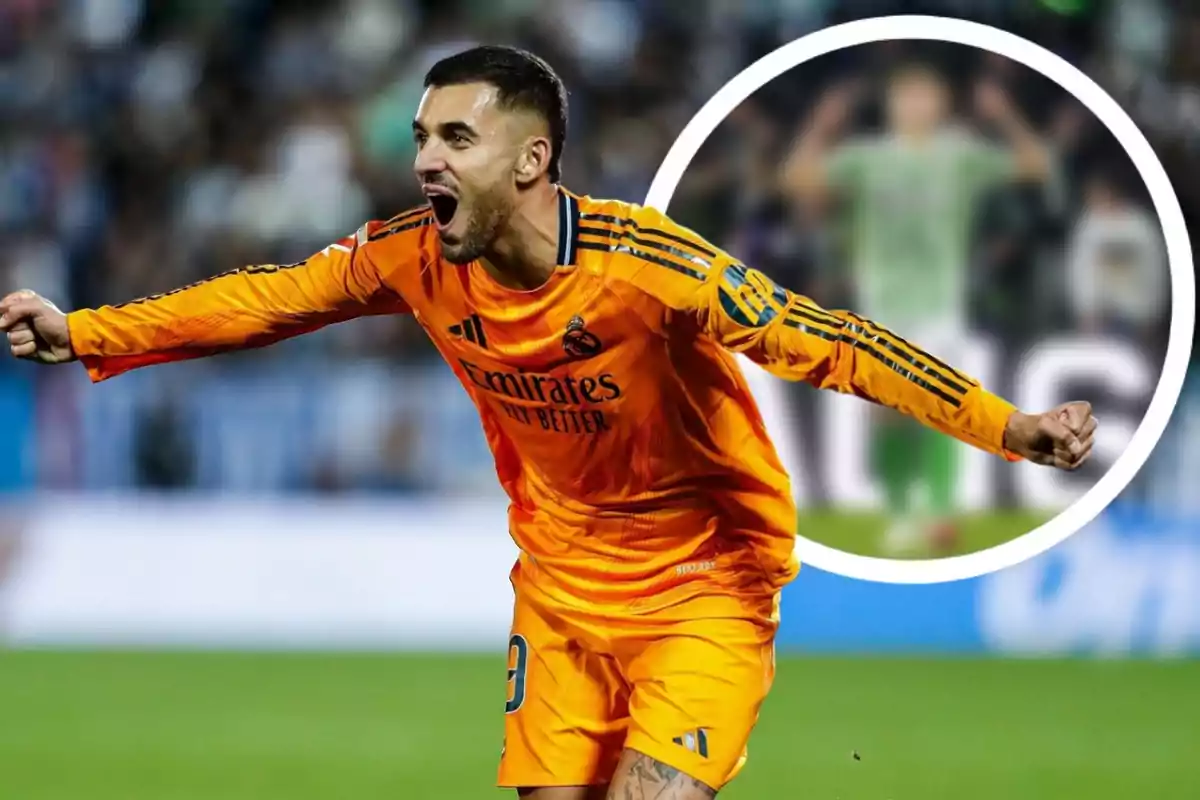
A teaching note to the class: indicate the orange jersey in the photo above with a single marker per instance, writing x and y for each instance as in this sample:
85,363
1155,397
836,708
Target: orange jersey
637,463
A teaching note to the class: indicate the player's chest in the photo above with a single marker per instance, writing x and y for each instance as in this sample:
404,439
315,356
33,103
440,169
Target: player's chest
572,348
560,372
569,323
913,187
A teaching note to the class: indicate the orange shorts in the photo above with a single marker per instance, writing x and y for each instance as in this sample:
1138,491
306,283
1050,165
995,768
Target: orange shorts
684,686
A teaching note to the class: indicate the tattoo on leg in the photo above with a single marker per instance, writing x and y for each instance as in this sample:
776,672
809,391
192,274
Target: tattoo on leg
643,778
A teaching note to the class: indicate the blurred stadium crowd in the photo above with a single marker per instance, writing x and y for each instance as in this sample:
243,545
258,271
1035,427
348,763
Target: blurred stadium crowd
148,143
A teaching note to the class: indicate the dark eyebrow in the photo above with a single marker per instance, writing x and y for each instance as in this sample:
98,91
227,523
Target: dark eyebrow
457,128
448,129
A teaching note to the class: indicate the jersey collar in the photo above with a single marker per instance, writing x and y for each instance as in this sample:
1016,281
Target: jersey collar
568,228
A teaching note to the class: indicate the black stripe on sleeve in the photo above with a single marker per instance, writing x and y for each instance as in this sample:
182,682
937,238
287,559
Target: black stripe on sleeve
801,323
685,262
643,256
625,222
401,228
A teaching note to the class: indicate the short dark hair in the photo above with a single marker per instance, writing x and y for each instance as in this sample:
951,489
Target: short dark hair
910,69
522,80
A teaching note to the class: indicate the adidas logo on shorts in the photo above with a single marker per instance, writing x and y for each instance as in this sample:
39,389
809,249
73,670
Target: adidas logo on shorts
696,741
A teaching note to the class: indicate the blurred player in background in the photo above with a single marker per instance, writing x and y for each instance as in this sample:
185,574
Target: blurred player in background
654,519
1116,276
906,197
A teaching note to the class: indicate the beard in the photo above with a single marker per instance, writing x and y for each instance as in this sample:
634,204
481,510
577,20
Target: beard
483,225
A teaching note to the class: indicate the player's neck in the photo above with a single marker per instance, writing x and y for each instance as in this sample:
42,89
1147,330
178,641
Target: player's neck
523,256
916,137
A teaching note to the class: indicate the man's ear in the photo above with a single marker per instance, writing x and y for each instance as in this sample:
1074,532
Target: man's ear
534,160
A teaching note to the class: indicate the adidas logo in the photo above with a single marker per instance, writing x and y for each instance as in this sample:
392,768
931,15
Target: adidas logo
470,329
696,741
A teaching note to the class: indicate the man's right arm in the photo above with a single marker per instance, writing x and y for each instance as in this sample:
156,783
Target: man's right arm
241,309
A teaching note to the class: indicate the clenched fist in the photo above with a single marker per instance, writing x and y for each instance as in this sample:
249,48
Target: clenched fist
1061,437
36,329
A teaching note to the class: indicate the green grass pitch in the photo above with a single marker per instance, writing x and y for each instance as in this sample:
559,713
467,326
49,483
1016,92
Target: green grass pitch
862,533
211,726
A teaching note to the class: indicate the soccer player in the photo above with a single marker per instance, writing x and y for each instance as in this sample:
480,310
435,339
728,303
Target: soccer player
654,521
908,195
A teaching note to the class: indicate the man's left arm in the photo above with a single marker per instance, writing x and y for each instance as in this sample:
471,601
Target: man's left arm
795,339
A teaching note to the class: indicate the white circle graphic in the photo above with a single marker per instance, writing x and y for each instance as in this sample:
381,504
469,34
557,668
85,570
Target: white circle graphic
1183,300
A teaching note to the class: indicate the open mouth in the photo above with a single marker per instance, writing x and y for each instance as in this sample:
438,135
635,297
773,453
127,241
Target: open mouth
444,205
